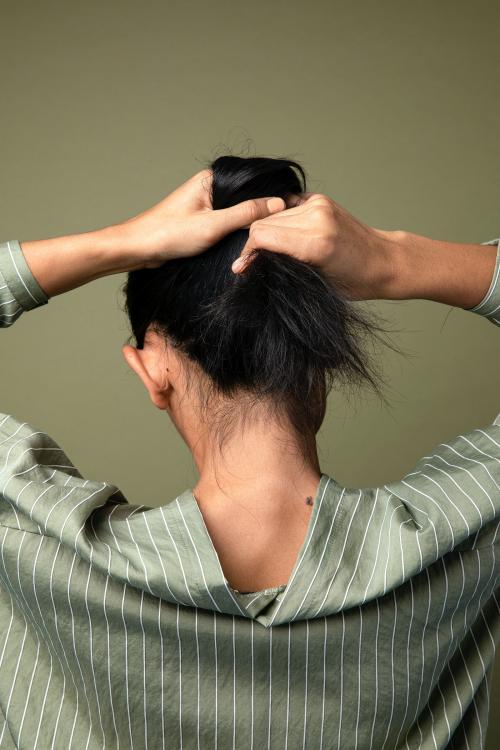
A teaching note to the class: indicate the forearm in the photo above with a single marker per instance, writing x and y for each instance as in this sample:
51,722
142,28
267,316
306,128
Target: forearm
64,263
449,272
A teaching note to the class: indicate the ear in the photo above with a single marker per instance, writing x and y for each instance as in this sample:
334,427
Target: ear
141,362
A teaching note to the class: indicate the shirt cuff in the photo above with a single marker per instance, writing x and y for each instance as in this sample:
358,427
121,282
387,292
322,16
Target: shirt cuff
18,277
491,300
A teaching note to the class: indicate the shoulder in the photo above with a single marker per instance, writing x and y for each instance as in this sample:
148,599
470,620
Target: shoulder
453,493
38,480
24,448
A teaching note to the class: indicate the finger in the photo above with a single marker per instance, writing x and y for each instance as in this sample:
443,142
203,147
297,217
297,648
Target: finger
302,207
245,213
277,239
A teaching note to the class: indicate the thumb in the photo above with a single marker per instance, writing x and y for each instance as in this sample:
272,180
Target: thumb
245,213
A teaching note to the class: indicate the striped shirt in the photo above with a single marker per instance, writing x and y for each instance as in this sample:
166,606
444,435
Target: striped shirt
120,630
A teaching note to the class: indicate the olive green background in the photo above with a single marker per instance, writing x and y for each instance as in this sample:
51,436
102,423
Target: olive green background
392,107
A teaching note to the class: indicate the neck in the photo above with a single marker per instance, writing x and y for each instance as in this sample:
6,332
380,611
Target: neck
260,473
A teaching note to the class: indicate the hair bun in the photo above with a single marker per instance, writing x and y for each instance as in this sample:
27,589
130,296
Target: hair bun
237,179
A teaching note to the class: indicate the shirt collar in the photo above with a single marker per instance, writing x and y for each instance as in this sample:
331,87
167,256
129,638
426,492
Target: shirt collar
171,555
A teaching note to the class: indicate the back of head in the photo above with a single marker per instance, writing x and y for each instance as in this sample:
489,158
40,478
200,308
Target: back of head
278,333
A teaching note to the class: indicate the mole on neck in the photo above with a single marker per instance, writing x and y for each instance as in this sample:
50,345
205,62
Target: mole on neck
309,500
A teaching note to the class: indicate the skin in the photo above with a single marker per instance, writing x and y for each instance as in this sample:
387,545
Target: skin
370,263
261,490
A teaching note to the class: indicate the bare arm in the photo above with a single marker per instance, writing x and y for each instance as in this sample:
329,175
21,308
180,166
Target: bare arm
449,272
371,263
181,224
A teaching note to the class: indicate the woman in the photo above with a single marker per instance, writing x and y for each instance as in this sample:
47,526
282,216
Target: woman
268,606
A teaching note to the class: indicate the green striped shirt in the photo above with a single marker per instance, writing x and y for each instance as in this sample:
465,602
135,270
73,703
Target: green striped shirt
120,630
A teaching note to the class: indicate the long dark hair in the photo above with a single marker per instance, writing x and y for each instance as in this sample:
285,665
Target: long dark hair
279,332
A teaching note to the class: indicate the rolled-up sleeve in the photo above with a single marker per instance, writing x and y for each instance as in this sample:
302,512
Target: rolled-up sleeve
19,290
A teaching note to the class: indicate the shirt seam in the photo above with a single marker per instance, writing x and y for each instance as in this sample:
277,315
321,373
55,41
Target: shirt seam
18,528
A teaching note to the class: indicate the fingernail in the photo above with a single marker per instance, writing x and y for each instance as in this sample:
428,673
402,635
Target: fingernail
275,204
237,265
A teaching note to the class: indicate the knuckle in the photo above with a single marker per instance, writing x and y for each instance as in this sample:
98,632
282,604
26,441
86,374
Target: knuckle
254,210
319,212
324,212
322,201
260,237
256,229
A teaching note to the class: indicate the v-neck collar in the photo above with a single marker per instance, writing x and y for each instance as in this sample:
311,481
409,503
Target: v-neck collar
167,552
272,605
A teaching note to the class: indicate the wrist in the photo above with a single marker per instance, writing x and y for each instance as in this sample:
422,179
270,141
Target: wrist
389,273
115,250
132,245
66,262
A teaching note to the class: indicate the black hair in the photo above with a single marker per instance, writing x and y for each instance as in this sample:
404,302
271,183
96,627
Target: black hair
279,332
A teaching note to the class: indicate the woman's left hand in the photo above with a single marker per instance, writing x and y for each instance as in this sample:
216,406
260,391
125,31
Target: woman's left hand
181,224
184,222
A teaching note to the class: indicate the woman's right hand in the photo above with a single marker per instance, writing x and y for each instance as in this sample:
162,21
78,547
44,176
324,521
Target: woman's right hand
313,228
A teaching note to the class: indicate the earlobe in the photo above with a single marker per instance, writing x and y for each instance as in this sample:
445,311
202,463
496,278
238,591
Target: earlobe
135,360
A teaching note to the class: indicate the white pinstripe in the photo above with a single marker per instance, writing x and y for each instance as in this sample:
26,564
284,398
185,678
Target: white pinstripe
341,678
407,641
216,676
197,678
180,678
324,679
392,669
360,641
376,674
91,649
107,628
234,688
50,652
305,683
144,691
287,686
270,688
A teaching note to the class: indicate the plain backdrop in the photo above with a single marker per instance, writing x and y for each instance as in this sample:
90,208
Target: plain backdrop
392,107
